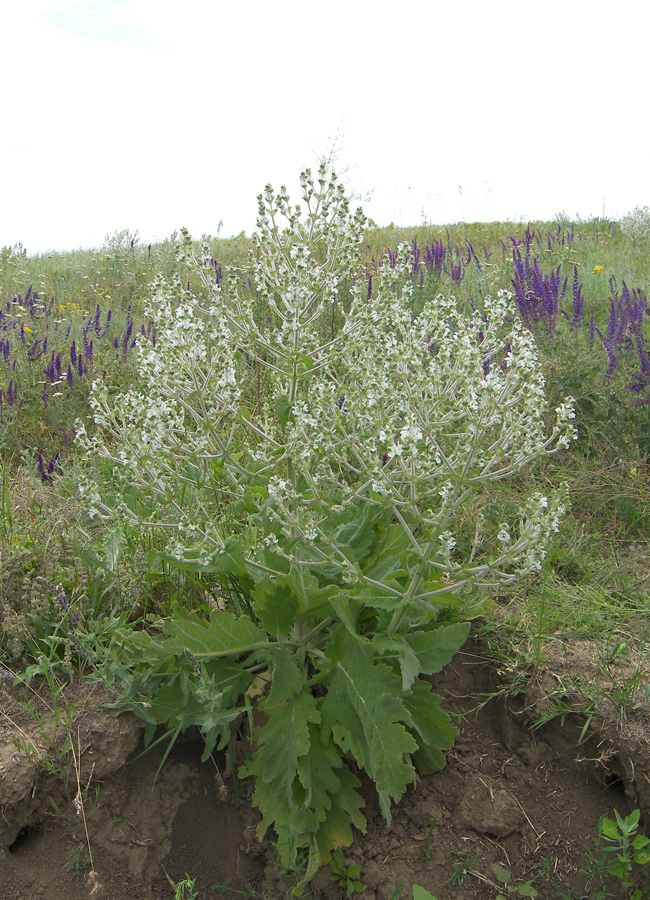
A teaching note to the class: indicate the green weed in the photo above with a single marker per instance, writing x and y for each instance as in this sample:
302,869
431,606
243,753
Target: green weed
346,876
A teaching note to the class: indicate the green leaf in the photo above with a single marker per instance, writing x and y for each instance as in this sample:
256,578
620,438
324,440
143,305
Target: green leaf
277,813
502,874
357,537
318,783
230,561
336,830
286,676
431,727
380,598
364,713
347,611
437,647
392,543
112,550
246,503
282,740
276,562
282,408
609,829
408,661
276,606
222,635
319,811
388,568
312,598
420,893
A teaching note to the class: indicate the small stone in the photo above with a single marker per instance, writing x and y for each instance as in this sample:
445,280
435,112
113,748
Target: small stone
488,809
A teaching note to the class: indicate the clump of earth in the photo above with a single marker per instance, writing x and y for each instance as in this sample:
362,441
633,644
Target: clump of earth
527,800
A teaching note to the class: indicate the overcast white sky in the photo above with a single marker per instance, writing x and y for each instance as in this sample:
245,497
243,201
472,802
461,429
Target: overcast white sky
152,115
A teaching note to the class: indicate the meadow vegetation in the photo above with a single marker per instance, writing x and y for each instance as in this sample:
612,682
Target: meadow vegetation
284,475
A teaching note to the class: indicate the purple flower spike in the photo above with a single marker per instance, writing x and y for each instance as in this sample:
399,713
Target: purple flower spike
578,300
50,370
611,353
127,336
41,466
109,316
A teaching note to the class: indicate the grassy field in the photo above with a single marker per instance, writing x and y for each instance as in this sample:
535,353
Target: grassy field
69,587
66,319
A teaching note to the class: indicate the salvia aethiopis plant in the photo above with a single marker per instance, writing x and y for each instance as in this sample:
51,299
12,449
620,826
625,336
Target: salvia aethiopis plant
330,505
636,224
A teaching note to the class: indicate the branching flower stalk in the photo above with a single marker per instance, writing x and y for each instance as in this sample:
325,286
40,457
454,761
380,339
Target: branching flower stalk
334,496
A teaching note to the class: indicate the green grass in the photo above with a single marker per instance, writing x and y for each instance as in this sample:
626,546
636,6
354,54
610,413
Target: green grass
595,583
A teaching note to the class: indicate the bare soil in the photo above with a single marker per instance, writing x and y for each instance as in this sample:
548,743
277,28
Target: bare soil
510,795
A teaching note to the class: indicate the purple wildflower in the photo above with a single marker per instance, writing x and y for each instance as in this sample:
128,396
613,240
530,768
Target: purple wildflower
578,300
5,675
61,599
88,345
127,336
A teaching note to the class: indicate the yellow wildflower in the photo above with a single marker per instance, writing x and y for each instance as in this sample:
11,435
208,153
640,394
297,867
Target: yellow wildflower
598,270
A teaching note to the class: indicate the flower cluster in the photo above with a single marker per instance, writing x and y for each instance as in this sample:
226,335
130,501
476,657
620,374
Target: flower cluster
362,402
636,224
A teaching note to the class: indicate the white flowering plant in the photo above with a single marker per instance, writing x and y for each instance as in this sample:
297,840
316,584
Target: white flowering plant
636,224
315,447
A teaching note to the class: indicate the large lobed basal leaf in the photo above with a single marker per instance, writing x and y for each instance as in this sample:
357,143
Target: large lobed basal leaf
304,789
366,716
369,717
223,635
